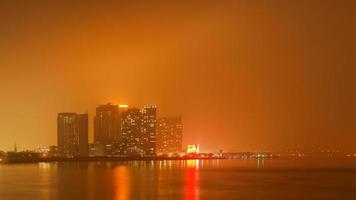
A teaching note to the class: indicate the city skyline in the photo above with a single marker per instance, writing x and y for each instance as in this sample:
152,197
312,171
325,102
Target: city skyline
244,75
91,121
119,131
177,99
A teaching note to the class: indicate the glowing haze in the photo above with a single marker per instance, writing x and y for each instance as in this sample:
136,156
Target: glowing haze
244,75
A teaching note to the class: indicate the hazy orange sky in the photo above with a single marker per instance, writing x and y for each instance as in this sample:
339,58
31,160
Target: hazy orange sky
244,75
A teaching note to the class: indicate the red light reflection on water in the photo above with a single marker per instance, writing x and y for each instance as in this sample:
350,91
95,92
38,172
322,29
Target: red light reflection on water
191,180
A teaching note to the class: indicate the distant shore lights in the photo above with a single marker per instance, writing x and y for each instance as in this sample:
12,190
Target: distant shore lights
193,149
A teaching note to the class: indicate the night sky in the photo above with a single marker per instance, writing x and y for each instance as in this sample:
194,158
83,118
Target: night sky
244,75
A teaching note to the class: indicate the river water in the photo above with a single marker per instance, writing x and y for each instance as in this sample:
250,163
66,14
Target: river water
193,179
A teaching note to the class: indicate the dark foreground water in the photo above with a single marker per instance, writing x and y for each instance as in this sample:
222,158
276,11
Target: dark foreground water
193,179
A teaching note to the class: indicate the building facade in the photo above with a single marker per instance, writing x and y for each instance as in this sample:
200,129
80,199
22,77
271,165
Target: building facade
107,126
138,132
131,141
72,134
169,135
148,129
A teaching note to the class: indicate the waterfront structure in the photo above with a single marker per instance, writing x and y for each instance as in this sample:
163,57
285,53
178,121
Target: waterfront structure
106,124
132,140
169,135
53,151
192,149
72,134
138,132
22,157
148,129
107,129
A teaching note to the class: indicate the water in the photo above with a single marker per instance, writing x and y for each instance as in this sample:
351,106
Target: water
193,179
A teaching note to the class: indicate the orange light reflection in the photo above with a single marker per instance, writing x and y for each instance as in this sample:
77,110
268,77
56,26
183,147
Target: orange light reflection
122,181
191,180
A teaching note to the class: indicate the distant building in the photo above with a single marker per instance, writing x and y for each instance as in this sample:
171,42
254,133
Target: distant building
169,135
107,128
72,134
132,140
138,132
148,129
24,156
193,149
53,151
43,151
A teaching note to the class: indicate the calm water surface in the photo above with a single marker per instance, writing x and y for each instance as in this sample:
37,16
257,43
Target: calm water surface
193,179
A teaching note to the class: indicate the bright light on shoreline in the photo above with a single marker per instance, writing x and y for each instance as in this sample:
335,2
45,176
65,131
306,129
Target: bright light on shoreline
123,106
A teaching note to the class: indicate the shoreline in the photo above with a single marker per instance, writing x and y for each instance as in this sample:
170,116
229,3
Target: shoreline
102,158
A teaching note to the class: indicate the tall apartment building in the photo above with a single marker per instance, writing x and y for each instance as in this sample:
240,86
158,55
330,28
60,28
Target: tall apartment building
107,124
72,134
138,132
169,135
148,129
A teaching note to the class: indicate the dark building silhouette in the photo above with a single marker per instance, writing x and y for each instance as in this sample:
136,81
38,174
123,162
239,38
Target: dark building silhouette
169,135
106,123
22,157
53,151
107,128
72,134
83,120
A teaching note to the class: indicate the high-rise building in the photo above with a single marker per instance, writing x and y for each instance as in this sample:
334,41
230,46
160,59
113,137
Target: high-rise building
169,135
138,132
72,134
132,140
83,122
107,124
148,129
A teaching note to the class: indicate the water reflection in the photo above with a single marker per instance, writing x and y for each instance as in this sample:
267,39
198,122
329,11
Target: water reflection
122,183
45,178
260,163
44,166
191,180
